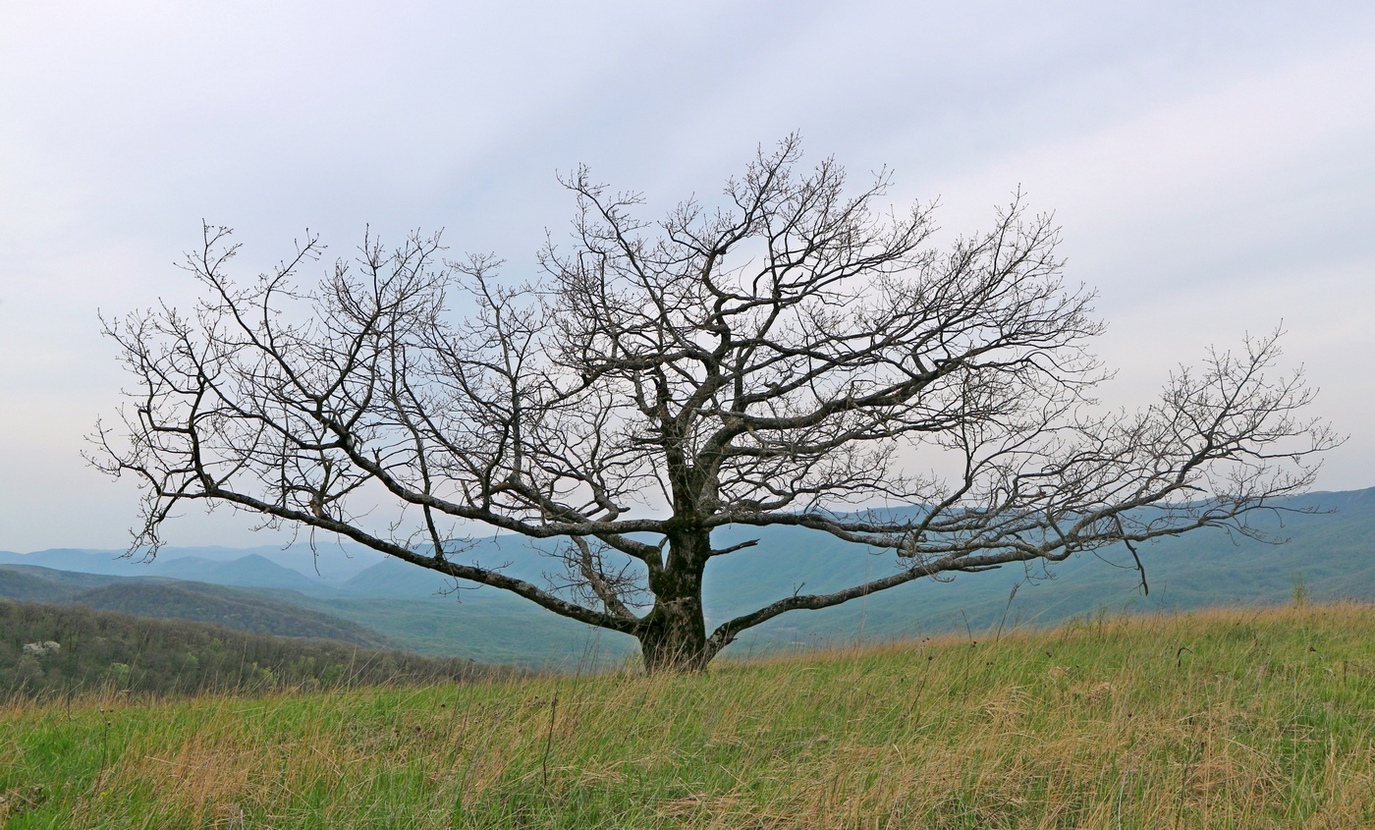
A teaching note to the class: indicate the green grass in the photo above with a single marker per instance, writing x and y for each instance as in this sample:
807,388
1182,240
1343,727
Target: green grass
1217,719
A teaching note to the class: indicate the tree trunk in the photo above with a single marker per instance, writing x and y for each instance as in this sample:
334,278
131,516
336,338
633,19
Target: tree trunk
673,637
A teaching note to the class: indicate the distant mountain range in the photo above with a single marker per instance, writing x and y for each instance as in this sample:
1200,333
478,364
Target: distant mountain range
369,599
330,565
242,610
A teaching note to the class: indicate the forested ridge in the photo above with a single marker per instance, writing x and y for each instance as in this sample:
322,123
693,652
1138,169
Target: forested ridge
244,610
48,650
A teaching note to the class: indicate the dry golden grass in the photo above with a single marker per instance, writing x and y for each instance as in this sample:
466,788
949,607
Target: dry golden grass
1221,719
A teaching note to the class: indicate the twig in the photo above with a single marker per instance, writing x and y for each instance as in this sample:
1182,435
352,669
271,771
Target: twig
998,635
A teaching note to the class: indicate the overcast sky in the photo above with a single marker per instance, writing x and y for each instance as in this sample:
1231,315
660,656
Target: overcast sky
1212,166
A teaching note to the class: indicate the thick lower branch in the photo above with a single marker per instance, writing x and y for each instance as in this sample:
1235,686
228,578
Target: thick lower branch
471,573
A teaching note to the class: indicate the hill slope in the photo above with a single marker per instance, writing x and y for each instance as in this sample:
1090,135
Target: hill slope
297,566
241,610
1221,719
54,649
1332,552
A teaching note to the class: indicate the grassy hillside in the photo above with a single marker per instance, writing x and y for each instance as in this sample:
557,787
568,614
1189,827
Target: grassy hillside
1218,719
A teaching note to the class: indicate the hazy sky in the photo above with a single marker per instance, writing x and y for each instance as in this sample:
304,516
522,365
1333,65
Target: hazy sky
1212,165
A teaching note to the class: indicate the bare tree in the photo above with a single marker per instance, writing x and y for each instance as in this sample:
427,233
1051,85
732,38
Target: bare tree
793,357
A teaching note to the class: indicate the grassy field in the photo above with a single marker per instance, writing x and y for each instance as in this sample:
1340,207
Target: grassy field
1250,718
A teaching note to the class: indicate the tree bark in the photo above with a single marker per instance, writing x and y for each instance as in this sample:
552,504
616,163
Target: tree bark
673,636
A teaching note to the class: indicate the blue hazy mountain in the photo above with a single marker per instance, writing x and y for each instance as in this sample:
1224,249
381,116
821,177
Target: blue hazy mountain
297,567
1331,554
254,570
238,609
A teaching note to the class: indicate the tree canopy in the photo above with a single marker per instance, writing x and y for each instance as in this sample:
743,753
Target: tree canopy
796,353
